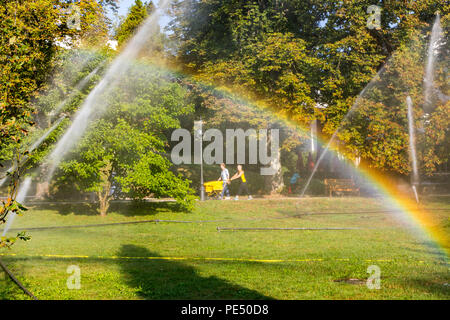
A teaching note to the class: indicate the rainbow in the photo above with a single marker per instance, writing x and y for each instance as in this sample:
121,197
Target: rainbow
397,201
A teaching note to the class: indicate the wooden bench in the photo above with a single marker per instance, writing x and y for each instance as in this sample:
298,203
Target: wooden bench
341,186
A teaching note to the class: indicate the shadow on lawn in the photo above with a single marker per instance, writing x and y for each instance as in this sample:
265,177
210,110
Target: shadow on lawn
430,249
164,279
440,286
126,208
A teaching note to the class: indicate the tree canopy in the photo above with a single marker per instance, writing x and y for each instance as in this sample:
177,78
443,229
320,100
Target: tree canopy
31,34
124,153
311,60
136,15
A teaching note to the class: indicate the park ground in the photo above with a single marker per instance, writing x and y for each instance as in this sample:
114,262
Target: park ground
175,260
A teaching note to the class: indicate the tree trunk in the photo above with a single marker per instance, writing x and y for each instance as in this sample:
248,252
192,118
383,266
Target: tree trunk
42,190
104,193
275,183
273,175
103,200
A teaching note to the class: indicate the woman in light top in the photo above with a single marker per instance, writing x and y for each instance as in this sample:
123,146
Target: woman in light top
225,177
243,185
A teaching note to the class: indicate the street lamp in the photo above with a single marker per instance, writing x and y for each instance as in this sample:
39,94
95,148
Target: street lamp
198,136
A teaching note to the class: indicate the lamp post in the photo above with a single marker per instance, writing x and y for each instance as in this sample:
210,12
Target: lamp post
199,139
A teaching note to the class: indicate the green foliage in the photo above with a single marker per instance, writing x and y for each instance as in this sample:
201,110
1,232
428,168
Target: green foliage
71,82
13,207
377,128
31,33
136,15
124,152
7,242
10,206
27,47
152,175
28,43
292,55
315,188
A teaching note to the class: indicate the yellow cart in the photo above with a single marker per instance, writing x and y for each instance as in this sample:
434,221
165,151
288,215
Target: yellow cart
213,189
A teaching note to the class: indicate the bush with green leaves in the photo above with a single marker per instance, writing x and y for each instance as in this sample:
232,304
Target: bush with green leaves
124,152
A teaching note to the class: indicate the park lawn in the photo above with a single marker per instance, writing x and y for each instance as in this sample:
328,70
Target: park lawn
168,260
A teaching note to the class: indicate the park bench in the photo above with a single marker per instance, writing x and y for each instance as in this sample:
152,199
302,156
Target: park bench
341,186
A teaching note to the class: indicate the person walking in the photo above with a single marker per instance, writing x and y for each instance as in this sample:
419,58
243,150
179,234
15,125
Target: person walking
293,182
225,177
243,186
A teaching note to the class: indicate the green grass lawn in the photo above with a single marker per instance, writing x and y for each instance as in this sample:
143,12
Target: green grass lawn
194,261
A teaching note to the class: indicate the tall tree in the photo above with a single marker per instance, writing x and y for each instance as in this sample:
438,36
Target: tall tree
126,149
295,55
31,33
136,15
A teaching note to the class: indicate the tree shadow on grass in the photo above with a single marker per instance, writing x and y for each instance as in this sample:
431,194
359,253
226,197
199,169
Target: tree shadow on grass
164,279
125,208
142,208
433,251
79,208
439,286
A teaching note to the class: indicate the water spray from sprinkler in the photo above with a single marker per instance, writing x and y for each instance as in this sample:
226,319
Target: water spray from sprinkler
436,40
93,106
21,195
412,148
79,86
